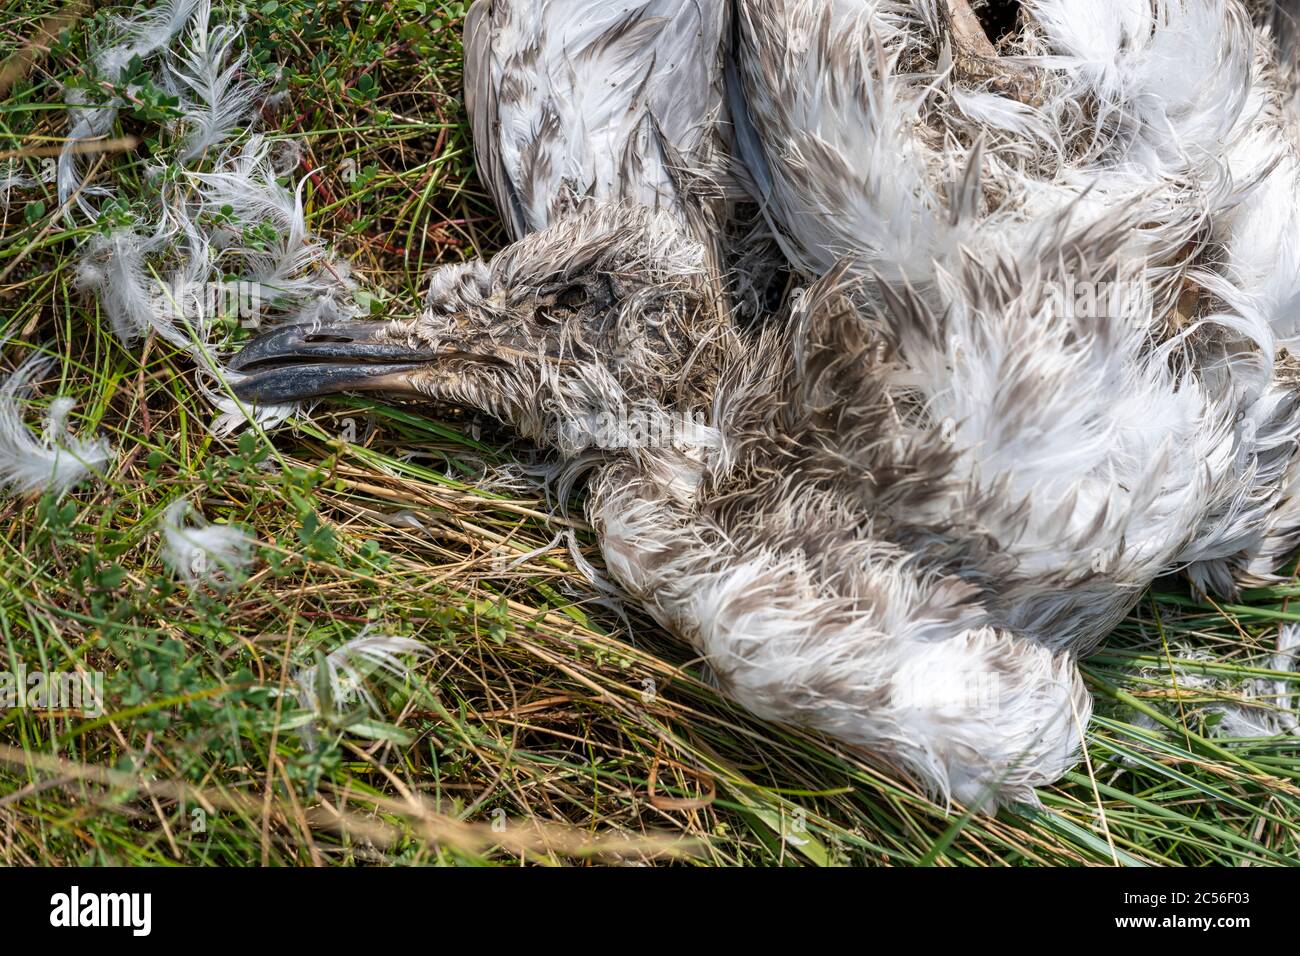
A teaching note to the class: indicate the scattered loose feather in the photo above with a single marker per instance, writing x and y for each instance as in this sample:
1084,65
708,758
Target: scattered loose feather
57,460
203,554
181,265
207,77
141,36
343,679
1255,707
11,181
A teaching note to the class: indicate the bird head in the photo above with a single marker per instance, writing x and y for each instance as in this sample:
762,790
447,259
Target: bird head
608,307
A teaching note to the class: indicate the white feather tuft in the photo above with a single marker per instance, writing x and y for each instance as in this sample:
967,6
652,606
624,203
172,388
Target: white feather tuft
142,36
12,180
207,77
232,414
218,556
224,228
56,461
348,666
1257,707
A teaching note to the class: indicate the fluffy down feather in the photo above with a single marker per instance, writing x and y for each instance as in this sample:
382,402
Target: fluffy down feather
57,460
200,553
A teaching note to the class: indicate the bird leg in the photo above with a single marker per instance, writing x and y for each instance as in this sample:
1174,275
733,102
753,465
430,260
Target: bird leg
976,58
967,31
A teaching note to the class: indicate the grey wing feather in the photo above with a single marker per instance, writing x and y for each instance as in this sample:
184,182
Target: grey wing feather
481,103
743,139
607,99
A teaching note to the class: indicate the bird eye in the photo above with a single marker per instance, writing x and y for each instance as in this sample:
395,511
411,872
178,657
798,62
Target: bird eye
574,297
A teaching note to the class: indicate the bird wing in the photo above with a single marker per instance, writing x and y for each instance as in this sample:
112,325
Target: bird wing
607,99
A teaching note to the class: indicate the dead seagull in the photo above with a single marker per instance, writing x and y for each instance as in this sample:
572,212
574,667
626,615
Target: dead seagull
715,462
1081,248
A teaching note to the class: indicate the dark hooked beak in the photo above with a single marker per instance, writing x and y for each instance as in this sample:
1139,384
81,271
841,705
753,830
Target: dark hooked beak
306,361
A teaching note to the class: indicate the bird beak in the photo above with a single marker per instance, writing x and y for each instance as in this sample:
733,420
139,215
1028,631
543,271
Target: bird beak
311,361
